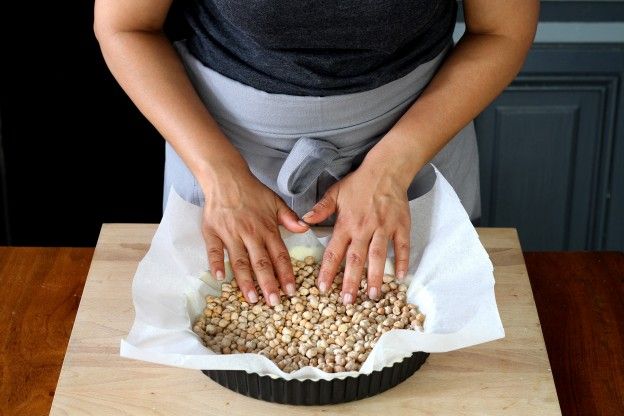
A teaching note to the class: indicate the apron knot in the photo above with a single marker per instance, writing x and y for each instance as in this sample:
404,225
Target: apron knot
309,158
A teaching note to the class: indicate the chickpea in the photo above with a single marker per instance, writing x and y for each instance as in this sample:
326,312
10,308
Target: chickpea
308,328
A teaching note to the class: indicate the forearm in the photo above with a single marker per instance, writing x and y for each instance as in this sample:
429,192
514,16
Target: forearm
473,74
149,70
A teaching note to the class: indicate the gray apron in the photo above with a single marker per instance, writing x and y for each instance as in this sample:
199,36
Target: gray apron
300,145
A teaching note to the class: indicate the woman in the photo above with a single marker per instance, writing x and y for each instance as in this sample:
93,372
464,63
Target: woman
273,109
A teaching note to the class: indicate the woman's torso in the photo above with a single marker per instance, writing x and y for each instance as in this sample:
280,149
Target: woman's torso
318,47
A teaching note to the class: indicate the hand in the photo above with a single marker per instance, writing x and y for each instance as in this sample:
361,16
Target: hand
242,215
372,208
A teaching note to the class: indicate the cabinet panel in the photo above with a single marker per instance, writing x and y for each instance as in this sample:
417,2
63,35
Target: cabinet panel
552,149
541,145
614,225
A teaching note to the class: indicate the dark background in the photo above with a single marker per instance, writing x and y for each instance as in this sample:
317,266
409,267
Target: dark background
77,152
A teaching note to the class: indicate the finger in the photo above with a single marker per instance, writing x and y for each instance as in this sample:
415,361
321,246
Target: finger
239,260
332,259
214,250
377,252
401,251
354,267
281,263
289,219
325,207
263,269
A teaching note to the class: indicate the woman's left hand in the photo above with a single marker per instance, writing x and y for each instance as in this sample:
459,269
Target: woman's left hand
372,208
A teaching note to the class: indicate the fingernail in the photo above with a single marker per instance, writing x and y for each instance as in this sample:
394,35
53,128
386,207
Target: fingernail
401,274
290,289
302,223
373,292
308,214
252,296
347,298
220,275
323,287
273,299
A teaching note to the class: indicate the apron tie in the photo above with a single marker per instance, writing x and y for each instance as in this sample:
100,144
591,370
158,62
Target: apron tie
310,157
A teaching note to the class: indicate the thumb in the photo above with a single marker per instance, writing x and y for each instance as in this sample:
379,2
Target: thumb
289,219
325,207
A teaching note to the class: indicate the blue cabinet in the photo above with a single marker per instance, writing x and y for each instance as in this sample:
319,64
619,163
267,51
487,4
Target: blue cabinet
552,144
551,149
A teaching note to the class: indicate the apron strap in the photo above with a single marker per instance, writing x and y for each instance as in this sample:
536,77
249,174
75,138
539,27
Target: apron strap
310,157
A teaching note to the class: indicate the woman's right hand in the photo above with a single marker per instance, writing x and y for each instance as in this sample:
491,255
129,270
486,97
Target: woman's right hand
241,215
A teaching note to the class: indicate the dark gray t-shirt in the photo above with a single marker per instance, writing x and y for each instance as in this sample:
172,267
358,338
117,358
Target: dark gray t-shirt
319,47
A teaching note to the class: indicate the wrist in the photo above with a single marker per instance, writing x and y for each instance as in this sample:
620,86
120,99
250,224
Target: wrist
396,158
220,172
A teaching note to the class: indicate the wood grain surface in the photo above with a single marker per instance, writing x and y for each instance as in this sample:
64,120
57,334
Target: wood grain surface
509,376
580,299
40,290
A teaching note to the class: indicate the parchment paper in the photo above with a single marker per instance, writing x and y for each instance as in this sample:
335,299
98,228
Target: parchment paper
450,279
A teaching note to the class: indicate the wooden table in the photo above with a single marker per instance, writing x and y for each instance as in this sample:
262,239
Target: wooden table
43,285
511,375
580,299
39,293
